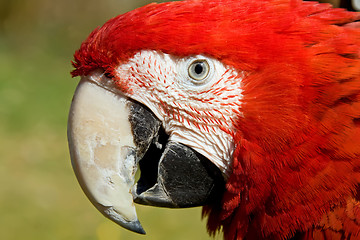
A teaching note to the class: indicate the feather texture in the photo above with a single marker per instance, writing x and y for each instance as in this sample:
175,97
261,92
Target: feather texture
296,165
296,168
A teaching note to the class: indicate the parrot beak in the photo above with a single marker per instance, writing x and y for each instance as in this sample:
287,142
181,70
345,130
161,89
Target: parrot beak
103,151
110,135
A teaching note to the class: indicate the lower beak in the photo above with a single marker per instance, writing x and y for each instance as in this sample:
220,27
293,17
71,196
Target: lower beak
109,134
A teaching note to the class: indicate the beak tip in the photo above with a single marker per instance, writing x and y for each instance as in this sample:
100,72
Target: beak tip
134,225
140,228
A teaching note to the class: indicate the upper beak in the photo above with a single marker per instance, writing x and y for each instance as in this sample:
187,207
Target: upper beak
109,135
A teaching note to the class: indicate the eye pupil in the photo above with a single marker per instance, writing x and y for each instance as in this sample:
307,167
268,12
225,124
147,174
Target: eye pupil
199,68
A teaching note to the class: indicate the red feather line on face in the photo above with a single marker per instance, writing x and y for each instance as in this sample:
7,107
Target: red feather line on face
297,157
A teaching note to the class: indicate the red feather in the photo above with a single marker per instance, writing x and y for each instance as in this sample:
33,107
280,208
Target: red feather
296,167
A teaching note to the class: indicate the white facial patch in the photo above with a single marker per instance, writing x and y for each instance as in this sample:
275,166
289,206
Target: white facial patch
197,104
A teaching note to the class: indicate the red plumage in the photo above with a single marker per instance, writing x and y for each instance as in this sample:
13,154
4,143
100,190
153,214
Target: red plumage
296,167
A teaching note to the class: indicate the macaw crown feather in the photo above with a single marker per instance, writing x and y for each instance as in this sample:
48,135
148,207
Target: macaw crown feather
242,34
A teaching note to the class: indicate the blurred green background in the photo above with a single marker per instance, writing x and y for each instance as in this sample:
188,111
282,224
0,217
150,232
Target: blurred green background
39,195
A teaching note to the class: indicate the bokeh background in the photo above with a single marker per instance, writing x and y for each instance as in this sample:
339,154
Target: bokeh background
39,194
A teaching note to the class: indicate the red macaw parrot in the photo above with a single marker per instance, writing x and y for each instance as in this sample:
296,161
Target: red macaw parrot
250,108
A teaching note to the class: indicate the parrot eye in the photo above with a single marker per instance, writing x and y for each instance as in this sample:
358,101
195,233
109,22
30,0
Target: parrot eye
198,70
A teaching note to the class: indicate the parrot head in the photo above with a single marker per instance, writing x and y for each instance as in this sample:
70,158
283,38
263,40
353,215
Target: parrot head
225,104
